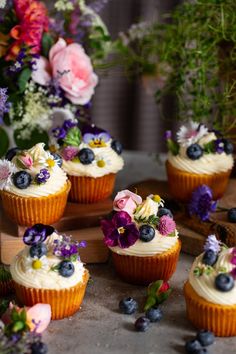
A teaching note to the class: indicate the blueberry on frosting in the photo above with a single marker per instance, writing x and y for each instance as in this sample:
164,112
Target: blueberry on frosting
224,282
22,179
147,233
194,151
86,156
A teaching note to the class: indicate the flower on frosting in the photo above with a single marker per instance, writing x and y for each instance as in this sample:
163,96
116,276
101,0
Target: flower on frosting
25,160
59,132
147,211
219,146
126,201
166,225
212,244
102,161
120,230
37,234
95,137
42,176
69,152
35,263
47,160
190,133
66,248
201,203
7,168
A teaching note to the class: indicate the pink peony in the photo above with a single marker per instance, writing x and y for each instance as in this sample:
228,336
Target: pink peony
166,225
69,153
126,201
73,69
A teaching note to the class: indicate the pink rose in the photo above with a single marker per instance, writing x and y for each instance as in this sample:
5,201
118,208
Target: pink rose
26,160
126,201
72,67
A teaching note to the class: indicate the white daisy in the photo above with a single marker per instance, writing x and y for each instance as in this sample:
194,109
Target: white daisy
35,264
47,160
102,161
7,168
190,133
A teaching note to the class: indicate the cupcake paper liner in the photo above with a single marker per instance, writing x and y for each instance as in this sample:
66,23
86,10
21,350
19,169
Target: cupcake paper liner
89,190
64,302
220,319
6,287
182,184
144,270
28,211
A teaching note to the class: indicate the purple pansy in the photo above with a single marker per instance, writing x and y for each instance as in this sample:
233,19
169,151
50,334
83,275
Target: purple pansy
68,124
202,203
37,234
96,140
42,176
59,133
168,135
212,244
219,146
120,230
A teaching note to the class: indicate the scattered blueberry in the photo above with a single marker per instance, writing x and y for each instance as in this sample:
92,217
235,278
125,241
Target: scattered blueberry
232,215
128,306
164,211
116,146
224,282
39,348
57,159
193,346
66,268
194,152
154,314
228,146
205,337
86,156
142,324
147,233
11,153
38,250
22,179
209,257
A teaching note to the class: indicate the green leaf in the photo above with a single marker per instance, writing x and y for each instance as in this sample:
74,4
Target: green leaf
47,43
154,287
4,306
18,326
36,137
23,315
173,147
14,315
209,147
163,296
151,301
24,77
4,142
73,137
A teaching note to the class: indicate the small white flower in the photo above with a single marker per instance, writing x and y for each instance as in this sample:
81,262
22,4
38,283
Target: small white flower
191,133
7,168
102,161
35,264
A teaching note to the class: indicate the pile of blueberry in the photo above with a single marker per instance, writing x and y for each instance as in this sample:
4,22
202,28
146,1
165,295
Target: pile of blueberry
198,344
129,306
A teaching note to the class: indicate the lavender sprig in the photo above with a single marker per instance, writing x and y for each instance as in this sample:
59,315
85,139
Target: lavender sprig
67,248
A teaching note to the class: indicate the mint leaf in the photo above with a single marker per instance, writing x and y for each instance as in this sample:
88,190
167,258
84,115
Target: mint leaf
173,147
23,79
73,137
209,147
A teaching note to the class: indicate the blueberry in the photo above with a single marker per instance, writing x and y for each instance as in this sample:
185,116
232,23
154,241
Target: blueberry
128,306
66,268
57,159
164,211
193,346
22,179
228,146
209,257
205,337
224,282
39,348
194,152
232,215
147,233
142,324
86,156
11,153
117,146
38,250
154,314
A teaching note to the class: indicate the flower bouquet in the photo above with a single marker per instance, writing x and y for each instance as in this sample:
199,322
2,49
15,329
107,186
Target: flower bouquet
45,73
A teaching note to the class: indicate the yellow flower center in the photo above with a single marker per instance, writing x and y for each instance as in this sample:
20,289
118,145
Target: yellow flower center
95,143
51,162
121,230
37,264
101,163
156,198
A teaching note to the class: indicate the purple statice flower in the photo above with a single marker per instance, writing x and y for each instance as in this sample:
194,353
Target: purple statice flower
67,248
219,146
37,234
120,230
212,244
59,133
202,203
69,153
166,225
4,105
42,176
168,135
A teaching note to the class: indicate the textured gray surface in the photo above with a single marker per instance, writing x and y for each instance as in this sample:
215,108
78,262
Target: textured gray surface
99,328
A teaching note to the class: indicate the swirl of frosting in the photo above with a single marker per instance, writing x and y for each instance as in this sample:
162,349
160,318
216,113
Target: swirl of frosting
204,284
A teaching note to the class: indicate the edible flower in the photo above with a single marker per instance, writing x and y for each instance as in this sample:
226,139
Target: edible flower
202,203
7,168
166,225
126,201
66,248
37,234
158,292
212,244
190,133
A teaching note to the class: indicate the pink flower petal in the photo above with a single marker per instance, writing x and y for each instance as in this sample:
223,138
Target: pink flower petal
56,48
40,313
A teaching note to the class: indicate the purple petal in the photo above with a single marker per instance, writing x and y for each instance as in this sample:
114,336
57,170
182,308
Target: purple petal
88,137
107,227
129,237
104,136
122,218
111,240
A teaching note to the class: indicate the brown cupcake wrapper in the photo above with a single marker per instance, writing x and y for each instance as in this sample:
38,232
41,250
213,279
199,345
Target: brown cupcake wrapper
144,270
64,302
6,287
220,319
182,184
28,211
90,190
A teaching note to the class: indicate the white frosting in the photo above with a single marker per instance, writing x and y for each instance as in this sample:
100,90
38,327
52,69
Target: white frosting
204,284
43,278
113,163
207,164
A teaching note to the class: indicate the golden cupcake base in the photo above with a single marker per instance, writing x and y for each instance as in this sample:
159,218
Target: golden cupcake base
28,211
144,270
90,190
182,184
64,302
220,319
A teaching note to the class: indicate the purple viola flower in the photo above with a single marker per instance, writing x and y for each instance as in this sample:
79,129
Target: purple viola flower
69,153
202,203
212,244
168,135
37,234
68,124
42,176
219,146
120,230
59,133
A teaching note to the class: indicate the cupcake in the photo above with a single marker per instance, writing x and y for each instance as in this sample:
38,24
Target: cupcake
210,291
6,283
48,270
199,156
142,237
91,158
33,186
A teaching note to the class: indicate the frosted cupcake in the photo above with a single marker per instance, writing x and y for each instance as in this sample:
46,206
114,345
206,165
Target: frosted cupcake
49,270
143,238
33,186
91,158
198,157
